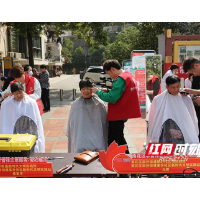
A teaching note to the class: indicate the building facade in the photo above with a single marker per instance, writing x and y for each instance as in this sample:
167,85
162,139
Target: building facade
45,51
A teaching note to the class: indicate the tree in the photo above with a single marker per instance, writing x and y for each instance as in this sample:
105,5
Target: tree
91,32
154,65
67,50
121,48
96,57
147,38
78,55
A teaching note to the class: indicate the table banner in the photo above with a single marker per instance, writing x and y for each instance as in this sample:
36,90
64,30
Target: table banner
123,164
25,167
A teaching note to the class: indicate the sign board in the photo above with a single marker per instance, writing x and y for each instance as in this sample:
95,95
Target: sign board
186,51
139,71
8,64
127,65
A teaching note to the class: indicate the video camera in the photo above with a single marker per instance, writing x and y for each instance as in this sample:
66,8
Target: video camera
107,82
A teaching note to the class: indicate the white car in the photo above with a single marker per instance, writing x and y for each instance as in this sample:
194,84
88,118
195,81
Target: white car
95,74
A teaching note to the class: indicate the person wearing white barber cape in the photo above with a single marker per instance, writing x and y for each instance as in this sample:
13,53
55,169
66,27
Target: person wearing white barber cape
20,114
87,128
173,69
172,117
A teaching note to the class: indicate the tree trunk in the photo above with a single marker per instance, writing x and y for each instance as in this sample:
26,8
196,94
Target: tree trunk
30,48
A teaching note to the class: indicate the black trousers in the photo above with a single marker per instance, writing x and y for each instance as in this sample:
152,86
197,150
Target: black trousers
45,98
116,133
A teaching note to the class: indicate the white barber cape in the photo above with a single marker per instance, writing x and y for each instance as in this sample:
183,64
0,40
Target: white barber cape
22,117
178,108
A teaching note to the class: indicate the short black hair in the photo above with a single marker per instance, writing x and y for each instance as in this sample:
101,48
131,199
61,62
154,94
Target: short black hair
190,74
189,63
111,63
26,68
16,86
43,67
3,78
174,66
84,83
172,79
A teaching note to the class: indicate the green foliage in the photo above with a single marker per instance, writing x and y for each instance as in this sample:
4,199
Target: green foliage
67,50
91,32
35,28
154,65
121,48
144,36
96,57
148,32
78,55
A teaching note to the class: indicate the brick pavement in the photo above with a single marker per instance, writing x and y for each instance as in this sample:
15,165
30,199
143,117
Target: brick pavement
55,125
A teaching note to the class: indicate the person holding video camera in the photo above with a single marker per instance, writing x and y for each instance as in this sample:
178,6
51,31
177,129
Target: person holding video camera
123,102
192,65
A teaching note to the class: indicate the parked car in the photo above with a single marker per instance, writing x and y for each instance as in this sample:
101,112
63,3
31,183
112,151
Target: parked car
95,73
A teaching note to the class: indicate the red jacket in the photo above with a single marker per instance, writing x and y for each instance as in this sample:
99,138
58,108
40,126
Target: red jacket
29,82
128,105
150,86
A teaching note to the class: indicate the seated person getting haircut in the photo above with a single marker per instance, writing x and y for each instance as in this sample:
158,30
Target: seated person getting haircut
172,117
20,114
87,126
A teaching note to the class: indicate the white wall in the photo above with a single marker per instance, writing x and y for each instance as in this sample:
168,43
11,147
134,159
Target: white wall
43,45
3,40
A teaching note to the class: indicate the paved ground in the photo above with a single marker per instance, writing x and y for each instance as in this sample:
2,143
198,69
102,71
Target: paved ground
55,122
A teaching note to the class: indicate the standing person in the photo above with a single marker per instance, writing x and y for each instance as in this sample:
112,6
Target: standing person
35,73
123,102
28,71
3,80
7,82
74,71
44,82
192,65
153,86
31,85
173,69
188,81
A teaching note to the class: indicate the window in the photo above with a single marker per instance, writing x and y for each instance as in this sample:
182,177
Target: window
23,45
12,40
37,50
97,70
